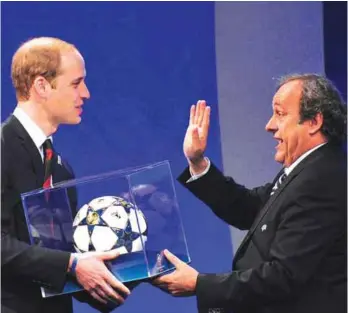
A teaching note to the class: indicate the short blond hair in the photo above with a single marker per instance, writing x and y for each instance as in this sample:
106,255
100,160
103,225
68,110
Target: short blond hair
37,57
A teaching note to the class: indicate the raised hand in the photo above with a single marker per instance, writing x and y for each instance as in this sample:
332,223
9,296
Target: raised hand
196,137
93,275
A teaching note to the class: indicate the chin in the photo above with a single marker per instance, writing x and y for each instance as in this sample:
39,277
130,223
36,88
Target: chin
279,158
75,121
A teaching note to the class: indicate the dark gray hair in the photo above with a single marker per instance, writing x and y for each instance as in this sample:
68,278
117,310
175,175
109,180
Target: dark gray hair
319,95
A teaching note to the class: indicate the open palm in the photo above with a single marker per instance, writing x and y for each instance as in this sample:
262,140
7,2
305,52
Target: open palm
195,141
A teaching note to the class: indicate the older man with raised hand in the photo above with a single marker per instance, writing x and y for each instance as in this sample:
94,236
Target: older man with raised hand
293,258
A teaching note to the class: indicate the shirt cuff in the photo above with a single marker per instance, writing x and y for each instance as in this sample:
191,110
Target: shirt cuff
195,177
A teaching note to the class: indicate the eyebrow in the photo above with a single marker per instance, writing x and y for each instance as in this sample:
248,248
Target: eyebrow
77,80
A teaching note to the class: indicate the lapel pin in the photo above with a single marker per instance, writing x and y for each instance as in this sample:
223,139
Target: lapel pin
264,227
59,160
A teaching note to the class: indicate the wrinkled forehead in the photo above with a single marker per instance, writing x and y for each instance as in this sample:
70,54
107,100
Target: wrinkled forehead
288,95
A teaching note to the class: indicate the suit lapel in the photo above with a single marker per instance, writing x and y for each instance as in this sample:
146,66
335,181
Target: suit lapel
271,199
30,147
248,235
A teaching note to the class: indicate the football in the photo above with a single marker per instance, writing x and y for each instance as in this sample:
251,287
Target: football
107,223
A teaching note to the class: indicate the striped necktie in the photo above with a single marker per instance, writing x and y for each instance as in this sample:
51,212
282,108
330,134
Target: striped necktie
278,183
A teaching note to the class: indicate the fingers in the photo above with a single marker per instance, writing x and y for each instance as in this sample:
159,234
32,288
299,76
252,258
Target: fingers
100,292
199,111
116,284
195,134
206,121
195,118
93,292
173,259
109,255
161,286
164,280
192,114
108,292
104,292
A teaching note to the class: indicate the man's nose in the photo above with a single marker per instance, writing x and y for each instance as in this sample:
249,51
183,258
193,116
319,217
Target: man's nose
85,92
271,125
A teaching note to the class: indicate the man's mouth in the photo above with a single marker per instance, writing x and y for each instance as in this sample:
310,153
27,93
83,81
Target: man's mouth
280,141
79,110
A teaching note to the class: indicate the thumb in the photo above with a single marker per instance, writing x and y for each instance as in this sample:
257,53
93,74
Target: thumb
109,255
172,258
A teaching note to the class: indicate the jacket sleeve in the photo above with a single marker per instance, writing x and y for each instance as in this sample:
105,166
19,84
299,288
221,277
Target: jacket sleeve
84,297
44,266
233,203
311,224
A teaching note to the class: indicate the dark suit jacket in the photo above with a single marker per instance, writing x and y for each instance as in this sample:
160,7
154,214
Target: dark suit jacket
293,258
24,267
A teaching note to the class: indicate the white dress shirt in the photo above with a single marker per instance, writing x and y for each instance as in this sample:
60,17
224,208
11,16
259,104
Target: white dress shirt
34,131
287,170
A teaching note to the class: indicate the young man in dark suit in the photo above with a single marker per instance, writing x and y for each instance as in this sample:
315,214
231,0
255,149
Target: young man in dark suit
49,78
293,259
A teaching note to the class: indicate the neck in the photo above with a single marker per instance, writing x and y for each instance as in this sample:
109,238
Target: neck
316,141
39,116
311,144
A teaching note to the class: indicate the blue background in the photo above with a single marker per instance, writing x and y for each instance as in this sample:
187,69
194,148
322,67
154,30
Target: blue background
146,64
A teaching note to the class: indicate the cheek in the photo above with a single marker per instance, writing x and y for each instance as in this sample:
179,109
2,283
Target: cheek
292,140
71,97
77,97
67,102
285,131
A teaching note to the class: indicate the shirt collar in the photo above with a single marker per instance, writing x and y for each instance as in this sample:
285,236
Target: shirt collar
34,131
288,170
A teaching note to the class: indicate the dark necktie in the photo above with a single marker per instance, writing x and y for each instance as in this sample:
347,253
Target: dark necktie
48,163
278,183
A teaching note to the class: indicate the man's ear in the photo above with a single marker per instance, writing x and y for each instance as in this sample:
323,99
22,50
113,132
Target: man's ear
316,123
41,86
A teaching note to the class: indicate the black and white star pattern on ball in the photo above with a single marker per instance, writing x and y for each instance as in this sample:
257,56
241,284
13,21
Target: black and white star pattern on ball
95,218
126,237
